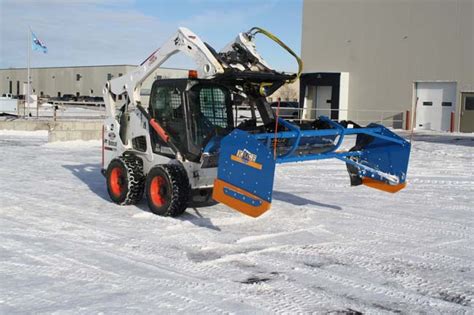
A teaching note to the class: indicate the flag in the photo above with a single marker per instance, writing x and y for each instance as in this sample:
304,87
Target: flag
37,44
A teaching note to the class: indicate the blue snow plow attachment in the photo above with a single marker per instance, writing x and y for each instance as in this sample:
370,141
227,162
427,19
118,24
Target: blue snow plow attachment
246,168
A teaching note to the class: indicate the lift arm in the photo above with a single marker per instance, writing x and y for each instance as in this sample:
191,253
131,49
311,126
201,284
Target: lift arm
183,41
239,56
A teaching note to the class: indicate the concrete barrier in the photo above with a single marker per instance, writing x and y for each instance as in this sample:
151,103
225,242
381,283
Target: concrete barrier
25,125
75,130
59,130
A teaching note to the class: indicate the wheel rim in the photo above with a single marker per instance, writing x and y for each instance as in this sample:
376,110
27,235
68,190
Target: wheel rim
116,181
158,191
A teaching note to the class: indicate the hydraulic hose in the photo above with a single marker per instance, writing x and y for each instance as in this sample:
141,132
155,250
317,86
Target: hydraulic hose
256,30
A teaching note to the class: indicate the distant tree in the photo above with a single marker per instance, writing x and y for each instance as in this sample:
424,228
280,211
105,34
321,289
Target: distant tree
287,92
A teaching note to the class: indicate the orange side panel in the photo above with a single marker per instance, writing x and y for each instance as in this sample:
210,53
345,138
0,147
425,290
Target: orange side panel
161,132
249,163
382,186
253,211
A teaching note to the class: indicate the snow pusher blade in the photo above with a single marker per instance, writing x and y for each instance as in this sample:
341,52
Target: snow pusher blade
246,166
245,174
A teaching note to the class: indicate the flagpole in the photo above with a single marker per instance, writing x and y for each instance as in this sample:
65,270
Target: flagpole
28,87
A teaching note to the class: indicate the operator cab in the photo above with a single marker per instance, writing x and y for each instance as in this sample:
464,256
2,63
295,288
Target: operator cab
192,112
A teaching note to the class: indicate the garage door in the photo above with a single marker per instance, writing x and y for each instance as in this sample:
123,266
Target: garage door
436,101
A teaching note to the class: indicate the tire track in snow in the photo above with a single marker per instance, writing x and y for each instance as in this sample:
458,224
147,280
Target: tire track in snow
408,299
397,269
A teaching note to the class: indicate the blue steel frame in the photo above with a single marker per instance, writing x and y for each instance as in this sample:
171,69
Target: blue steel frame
339,130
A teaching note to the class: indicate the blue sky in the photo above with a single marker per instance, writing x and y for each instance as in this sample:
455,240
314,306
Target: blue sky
93,32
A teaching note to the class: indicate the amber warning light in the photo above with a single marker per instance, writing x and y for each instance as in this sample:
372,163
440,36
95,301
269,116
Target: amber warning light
192,74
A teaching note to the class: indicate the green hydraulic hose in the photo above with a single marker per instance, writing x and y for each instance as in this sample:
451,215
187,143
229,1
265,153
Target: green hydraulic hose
256,30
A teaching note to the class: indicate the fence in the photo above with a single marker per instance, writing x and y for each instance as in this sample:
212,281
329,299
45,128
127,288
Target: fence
61,112
389,118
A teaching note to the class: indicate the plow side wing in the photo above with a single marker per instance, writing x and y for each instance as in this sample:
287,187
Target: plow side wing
386,157
245,174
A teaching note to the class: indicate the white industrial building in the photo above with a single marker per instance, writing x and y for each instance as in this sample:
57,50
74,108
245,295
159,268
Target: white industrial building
78,81
383,59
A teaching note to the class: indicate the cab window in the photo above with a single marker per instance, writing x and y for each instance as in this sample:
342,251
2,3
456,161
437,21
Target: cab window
211,113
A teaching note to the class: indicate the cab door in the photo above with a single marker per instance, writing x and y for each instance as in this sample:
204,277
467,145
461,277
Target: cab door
167,108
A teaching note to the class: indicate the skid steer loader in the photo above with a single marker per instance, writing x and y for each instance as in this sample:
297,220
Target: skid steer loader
187,143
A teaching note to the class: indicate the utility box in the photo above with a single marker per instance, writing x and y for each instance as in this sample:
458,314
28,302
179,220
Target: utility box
8,105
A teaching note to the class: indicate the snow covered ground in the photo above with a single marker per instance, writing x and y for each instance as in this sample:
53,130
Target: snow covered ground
323,247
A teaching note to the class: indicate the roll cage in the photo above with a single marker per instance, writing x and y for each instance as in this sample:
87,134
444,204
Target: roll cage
191,112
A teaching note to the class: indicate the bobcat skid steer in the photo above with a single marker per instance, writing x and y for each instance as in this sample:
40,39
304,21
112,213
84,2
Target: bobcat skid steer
187,144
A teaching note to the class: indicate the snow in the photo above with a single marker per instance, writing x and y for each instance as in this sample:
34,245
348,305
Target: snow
14,134
323,247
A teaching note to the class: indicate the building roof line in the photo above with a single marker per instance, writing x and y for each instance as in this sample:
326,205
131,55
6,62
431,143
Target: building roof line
96,66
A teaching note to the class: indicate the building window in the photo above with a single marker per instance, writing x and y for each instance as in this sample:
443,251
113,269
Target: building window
446,104
41,93
78,77
109,76
120,97
92,91
427,103
120,74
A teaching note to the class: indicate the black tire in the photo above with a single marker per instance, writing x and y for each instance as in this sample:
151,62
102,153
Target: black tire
167,190
201,198
125,180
